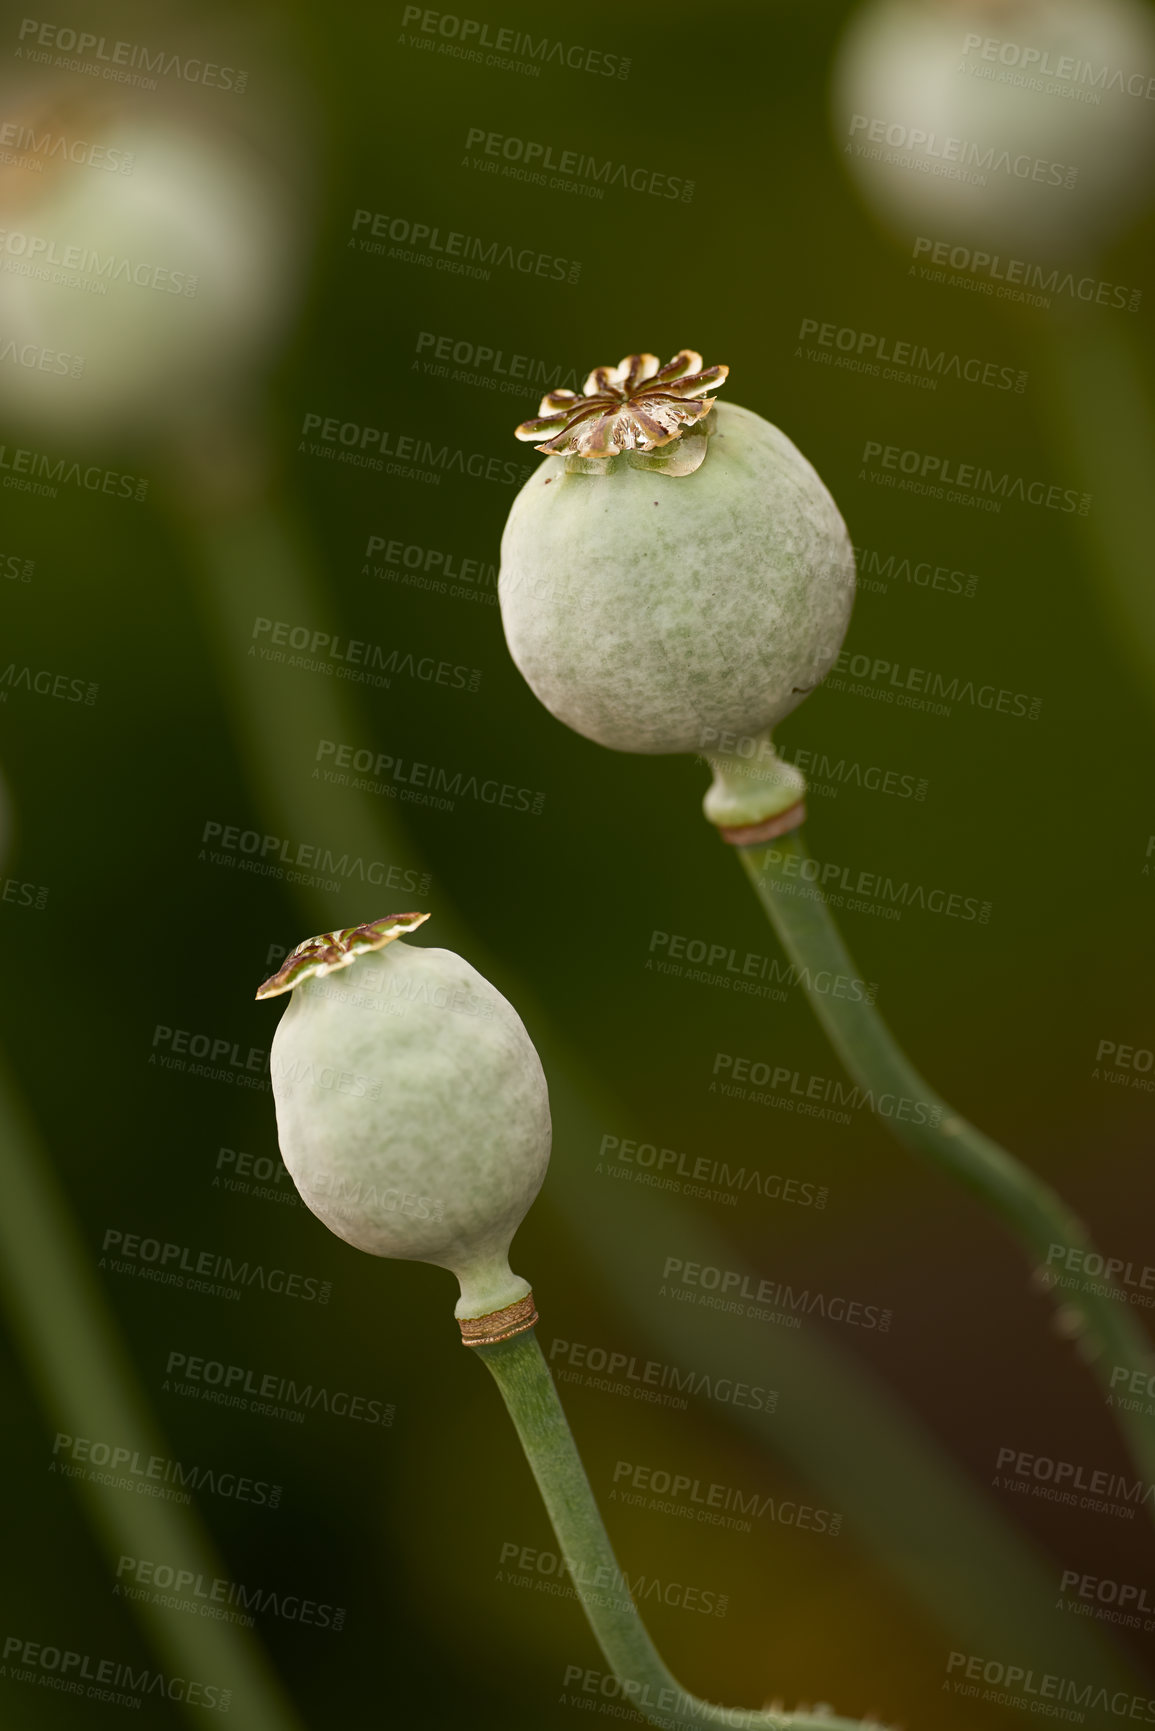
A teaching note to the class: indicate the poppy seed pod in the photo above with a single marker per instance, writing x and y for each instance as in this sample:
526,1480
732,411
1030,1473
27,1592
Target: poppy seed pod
675,574
998,123
196,237
412,1109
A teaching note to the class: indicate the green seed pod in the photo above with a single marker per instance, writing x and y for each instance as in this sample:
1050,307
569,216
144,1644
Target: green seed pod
675,574
412,1109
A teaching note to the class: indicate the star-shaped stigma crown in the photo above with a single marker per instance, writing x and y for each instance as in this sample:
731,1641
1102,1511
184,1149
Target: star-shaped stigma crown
332,950
638,405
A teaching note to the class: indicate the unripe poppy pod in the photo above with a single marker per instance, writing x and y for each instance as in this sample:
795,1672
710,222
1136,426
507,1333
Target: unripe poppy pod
412,1108
665,584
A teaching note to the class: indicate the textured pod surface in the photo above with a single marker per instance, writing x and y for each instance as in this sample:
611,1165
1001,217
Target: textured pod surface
413,1113
651,613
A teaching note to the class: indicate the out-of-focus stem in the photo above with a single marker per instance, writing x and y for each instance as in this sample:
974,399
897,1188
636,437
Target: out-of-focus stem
60,1320
1097,409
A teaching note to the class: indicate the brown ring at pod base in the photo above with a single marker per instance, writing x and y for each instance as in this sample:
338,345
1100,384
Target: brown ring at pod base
749,835
499,1324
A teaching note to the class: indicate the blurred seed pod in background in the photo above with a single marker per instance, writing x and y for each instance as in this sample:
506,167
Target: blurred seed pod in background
152,248
999,122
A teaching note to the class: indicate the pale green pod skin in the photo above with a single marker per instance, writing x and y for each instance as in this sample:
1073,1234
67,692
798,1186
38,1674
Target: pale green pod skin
413,1114
661,613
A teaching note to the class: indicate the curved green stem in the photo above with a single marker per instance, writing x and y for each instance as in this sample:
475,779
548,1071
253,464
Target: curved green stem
527,1388
1095,1313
